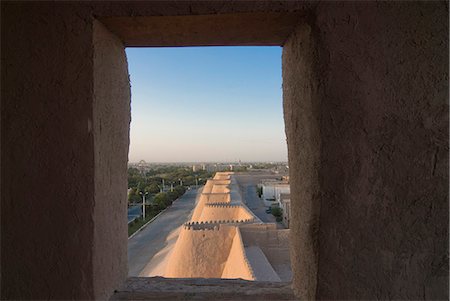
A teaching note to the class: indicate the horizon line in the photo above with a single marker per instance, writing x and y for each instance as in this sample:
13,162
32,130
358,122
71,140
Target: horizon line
208,162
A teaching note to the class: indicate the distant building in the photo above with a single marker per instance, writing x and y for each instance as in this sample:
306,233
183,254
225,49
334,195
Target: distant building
198,167
210,168
272,189
217,167
285,201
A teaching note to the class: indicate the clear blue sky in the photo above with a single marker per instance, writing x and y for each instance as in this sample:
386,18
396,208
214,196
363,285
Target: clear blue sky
206,104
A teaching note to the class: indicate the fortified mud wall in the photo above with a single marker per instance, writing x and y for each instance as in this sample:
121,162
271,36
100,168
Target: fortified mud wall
221,201
217,198
223,175
201,253
237,265
210,184
224,212
210,245
220,188
214,223
272,241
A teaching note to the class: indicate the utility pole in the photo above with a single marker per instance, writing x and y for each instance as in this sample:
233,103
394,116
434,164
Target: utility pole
143,204
163,184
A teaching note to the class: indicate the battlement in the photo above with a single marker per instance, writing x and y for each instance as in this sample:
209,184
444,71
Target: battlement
223,205
224,212
223,175
215,224
210,227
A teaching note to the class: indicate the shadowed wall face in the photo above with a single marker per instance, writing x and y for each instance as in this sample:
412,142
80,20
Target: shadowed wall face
301,104
384,158
382,73
47,156
111,123
66,111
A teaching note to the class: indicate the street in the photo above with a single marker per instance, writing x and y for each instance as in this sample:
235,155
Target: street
145,244
134,211
247,183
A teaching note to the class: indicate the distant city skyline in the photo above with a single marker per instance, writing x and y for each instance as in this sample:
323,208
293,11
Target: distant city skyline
206,104
202,162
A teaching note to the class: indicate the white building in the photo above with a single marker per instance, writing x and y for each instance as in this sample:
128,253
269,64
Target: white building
285,200
272,189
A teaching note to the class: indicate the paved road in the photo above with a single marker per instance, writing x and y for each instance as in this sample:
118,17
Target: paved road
247,183
134,211
144,245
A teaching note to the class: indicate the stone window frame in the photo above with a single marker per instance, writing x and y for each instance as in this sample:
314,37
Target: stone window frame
300,102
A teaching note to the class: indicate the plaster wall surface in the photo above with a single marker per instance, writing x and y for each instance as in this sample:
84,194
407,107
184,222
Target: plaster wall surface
223,175
220,189
200,253
209,248
216,190
111,123
226,181
195,8
366,105
47,175
384,155
237,265
210,184
367,140
273,242
224,213
301,105
254,28
216,198
261,268
215,181
158,288
63,238
54,145
208,199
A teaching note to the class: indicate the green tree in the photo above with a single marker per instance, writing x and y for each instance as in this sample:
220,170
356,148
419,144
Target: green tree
134,196
172,195
152,188
162,200
277,211
179,190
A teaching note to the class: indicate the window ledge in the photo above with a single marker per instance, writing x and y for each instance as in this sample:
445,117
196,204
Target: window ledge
159,288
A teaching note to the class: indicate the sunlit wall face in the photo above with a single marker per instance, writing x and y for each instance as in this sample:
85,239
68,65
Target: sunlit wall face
206,104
